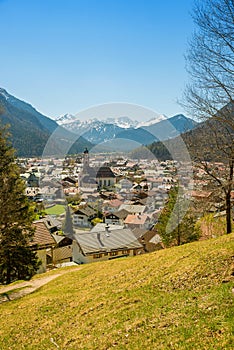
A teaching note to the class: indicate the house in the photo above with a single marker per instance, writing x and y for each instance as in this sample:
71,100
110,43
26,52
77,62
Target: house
112,205
105,177
107,195
52,224
112,219
92,198
150,239
149,203
156,182
43,243
137,188
62,255
138,221
133,209
33,193
125,184
48,193
83,216
88,180
116,218
52,249
155,243
102,227
69,181
157,198
104,245
126,194
63,251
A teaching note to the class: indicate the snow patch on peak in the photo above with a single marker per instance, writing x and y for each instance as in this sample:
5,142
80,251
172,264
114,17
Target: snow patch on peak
4,93
65,119
152,121
123,122
179,116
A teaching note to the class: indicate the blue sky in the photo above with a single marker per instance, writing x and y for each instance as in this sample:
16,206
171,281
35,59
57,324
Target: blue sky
63,56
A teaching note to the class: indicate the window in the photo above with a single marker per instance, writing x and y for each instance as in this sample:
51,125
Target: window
97,256
113,253
125,251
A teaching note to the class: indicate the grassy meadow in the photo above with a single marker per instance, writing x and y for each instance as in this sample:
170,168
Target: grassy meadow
179,298
55,210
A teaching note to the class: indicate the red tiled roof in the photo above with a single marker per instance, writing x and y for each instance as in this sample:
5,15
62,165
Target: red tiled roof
201,194
136,219
115,203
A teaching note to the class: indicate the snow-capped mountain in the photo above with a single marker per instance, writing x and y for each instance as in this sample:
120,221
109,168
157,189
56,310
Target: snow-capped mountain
94,130
80,127
98,131
72,122
151,121
65,119
122,122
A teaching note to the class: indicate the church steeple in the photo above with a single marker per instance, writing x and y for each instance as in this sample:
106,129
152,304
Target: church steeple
86,159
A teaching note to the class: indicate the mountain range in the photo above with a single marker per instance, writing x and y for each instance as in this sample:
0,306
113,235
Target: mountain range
30,130
210,140
102,131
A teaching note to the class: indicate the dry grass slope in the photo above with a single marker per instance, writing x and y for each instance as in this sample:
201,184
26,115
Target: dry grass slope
180,298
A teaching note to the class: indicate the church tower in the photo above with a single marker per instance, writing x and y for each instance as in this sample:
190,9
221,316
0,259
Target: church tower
86,160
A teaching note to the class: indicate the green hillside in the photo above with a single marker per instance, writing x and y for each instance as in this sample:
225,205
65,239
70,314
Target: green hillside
179,298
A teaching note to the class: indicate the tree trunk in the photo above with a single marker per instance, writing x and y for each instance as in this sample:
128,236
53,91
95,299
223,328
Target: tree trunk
228,198
178,234
8,276
228,213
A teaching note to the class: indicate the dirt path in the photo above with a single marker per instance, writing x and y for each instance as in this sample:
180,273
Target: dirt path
19,290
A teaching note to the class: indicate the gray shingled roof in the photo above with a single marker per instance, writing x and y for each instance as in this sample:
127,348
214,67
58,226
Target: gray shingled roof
101,226
121,214
58,238
105,172
131,208
107,241
86,211
51,222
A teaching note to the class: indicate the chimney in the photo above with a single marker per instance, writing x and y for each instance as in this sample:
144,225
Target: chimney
107,229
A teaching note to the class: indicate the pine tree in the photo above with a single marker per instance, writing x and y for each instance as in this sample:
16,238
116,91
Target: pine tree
176,224
17,260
